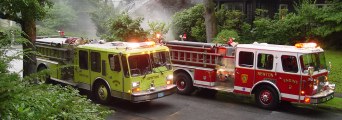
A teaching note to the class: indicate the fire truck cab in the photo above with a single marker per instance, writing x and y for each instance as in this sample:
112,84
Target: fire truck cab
137,72
273,73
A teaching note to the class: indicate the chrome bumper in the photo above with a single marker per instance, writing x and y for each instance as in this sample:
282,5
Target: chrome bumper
322,97
150,95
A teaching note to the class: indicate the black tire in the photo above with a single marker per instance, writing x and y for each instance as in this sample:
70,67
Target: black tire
43,79
266,97
101,93
184,84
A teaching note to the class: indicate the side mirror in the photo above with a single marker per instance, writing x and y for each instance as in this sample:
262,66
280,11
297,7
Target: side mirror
310,71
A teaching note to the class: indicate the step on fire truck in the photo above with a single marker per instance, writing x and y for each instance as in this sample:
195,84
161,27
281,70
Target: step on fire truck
273,73
136,72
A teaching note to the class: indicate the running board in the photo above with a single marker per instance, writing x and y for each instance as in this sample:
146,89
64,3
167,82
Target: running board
218,88
70,82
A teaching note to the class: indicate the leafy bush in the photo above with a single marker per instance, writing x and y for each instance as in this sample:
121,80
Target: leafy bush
224,35
157,28
191,22
19,99
125,28
187,20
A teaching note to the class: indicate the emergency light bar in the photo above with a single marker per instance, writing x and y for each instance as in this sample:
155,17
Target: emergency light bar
305,45
133,45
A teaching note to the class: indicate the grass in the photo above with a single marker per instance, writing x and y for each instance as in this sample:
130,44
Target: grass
335,103
335,76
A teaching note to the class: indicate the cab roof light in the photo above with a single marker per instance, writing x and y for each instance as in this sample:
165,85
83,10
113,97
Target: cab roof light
305,45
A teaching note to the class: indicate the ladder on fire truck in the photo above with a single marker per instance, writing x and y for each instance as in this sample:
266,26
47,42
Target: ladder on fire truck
195,55
58,51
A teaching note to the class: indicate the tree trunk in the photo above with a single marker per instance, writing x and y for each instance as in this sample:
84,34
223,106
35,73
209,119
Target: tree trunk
210,20
28,25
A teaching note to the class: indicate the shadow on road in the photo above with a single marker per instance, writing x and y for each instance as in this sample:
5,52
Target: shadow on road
138,107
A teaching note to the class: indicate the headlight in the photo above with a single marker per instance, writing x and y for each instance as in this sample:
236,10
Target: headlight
135,84
169,77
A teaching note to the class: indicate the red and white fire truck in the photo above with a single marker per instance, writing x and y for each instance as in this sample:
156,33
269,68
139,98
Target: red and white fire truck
273,73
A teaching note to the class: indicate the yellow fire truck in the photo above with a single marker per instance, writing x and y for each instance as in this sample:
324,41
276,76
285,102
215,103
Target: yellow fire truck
136,72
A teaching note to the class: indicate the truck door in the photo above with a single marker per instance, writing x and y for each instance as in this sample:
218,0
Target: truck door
115,73
244,71
82,73
289,77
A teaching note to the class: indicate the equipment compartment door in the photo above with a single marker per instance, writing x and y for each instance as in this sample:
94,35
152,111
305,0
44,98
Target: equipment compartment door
82,69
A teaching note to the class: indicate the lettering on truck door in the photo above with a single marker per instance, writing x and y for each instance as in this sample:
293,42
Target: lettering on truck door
115,74
288,78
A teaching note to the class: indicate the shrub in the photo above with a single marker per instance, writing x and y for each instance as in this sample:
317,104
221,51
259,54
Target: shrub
125,28
19,99
224,35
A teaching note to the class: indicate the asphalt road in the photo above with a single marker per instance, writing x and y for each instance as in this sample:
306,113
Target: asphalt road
222,107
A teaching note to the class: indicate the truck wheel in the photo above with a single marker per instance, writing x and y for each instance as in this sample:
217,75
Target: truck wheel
101,93
184,84
266,97
43,79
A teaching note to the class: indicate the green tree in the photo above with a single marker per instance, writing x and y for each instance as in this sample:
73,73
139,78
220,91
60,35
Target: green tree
60,16
125,28
192,22
224,36
210,20
24,101
102,16
26,12
156,27
186,20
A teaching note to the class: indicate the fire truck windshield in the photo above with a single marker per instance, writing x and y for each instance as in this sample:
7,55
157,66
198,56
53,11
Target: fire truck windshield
139,65
161,61
316,60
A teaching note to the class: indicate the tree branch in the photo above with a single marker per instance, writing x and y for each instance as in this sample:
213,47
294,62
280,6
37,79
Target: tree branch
10,17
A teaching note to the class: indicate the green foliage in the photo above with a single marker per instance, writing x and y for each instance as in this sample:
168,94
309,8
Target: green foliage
335,76
25,101
187,20
60,16
191,21
17,9
198,31
308,23
224,35
230,19
157,28
101,17
125,28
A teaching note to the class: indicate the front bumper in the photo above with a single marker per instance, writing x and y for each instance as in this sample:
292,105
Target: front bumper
322,97
150,95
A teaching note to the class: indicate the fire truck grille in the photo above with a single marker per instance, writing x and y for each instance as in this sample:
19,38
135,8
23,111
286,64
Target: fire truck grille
321,83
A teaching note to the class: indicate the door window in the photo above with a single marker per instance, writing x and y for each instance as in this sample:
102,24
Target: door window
114,63
95,61
265,61
83,59
289,63
246,59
